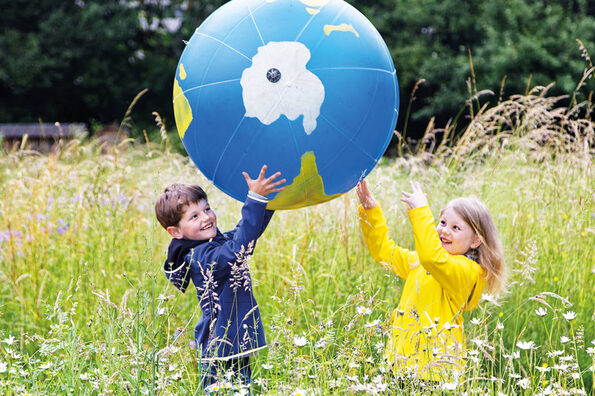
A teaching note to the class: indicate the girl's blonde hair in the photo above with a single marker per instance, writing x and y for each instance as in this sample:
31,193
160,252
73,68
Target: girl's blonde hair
490,256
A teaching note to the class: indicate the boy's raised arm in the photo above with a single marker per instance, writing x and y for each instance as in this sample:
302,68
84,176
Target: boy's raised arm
254,220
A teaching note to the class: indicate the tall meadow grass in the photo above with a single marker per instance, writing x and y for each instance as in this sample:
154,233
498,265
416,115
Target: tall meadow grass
86,309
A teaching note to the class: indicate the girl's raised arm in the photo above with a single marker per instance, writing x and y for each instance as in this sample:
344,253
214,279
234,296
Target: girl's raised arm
383,249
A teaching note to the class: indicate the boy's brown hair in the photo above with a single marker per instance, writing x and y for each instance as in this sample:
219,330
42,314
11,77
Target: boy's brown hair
170,205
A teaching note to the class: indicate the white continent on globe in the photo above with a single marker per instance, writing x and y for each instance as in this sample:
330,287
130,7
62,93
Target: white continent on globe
278,83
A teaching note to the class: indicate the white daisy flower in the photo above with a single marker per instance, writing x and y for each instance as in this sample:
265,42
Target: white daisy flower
525,383
371,324
553,354
569,316
449,326
541,311
489,298
299,341
46,365
380,387
363,310
449,386
564,339
525,345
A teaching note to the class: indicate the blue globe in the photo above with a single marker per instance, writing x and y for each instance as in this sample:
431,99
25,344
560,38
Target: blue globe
307,87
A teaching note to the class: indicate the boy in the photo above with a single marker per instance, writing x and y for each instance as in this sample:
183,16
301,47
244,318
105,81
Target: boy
230,328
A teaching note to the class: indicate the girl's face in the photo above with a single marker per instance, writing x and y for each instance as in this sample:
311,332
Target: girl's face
457,237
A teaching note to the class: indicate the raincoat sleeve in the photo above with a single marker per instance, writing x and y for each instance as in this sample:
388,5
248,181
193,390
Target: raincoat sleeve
383,249
461,278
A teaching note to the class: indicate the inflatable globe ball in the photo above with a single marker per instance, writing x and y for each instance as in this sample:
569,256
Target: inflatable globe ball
306,87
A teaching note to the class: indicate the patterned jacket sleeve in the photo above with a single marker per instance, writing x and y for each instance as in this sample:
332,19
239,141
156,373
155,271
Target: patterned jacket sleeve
239,241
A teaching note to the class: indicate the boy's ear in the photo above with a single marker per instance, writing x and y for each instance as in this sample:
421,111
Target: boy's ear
175,232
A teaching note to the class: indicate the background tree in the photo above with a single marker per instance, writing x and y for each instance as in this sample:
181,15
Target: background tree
86,60
515,42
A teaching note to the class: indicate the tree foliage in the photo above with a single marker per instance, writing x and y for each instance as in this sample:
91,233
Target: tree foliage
85,60
458,47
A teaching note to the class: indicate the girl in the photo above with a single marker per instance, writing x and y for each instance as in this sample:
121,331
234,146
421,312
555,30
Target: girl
452,265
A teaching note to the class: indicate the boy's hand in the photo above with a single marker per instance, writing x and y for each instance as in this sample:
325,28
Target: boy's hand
416,198
264,185
364,195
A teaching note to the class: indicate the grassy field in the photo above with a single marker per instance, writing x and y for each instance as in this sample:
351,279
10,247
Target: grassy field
85,307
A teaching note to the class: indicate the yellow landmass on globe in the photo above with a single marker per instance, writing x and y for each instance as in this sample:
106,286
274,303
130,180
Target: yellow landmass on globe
182,110
312,11
314,3
306,189
328,29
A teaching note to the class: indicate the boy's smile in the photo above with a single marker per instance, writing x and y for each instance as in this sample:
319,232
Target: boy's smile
198,222
457,237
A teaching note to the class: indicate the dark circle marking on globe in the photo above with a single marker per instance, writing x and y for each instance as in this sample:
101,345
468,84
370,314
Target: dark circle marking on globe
273,75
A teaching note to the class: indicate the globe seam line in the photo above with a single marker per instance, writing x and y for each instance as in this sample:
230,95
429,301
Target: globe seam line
204,85
225,44
255,25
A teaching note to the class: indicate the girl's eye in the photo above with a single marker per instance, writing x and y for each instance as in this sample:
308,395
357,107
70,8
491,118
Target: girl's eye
456,228
442,222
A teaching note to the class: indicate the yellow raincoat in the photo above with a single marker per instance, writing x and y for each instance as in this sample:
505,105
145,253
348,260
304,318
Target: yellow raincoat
427,337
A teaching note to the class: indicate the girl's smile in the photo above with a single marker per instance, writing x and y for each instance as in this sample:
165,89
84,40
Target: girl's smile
457,237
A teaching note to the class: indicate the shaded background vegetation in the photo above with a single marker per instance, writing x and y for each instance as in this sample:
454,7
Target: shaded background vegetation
73,61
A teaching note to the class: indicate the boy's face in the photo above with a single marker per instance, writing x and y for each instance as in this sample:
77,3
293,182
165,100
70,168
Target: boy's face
198,223
457,237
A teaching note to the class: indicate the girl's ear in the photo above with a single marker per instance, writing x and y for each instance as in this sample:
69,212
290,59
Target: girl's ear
476,242
175,232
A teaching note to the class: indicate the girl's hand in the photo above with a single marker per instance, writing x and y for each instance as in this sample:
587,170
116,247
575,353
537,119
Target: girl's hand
364,195
264,185
416,198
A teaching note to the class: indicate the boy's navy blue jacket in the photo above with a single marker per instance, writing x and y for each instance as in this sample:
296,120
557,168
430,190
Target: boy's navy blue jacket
230,324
